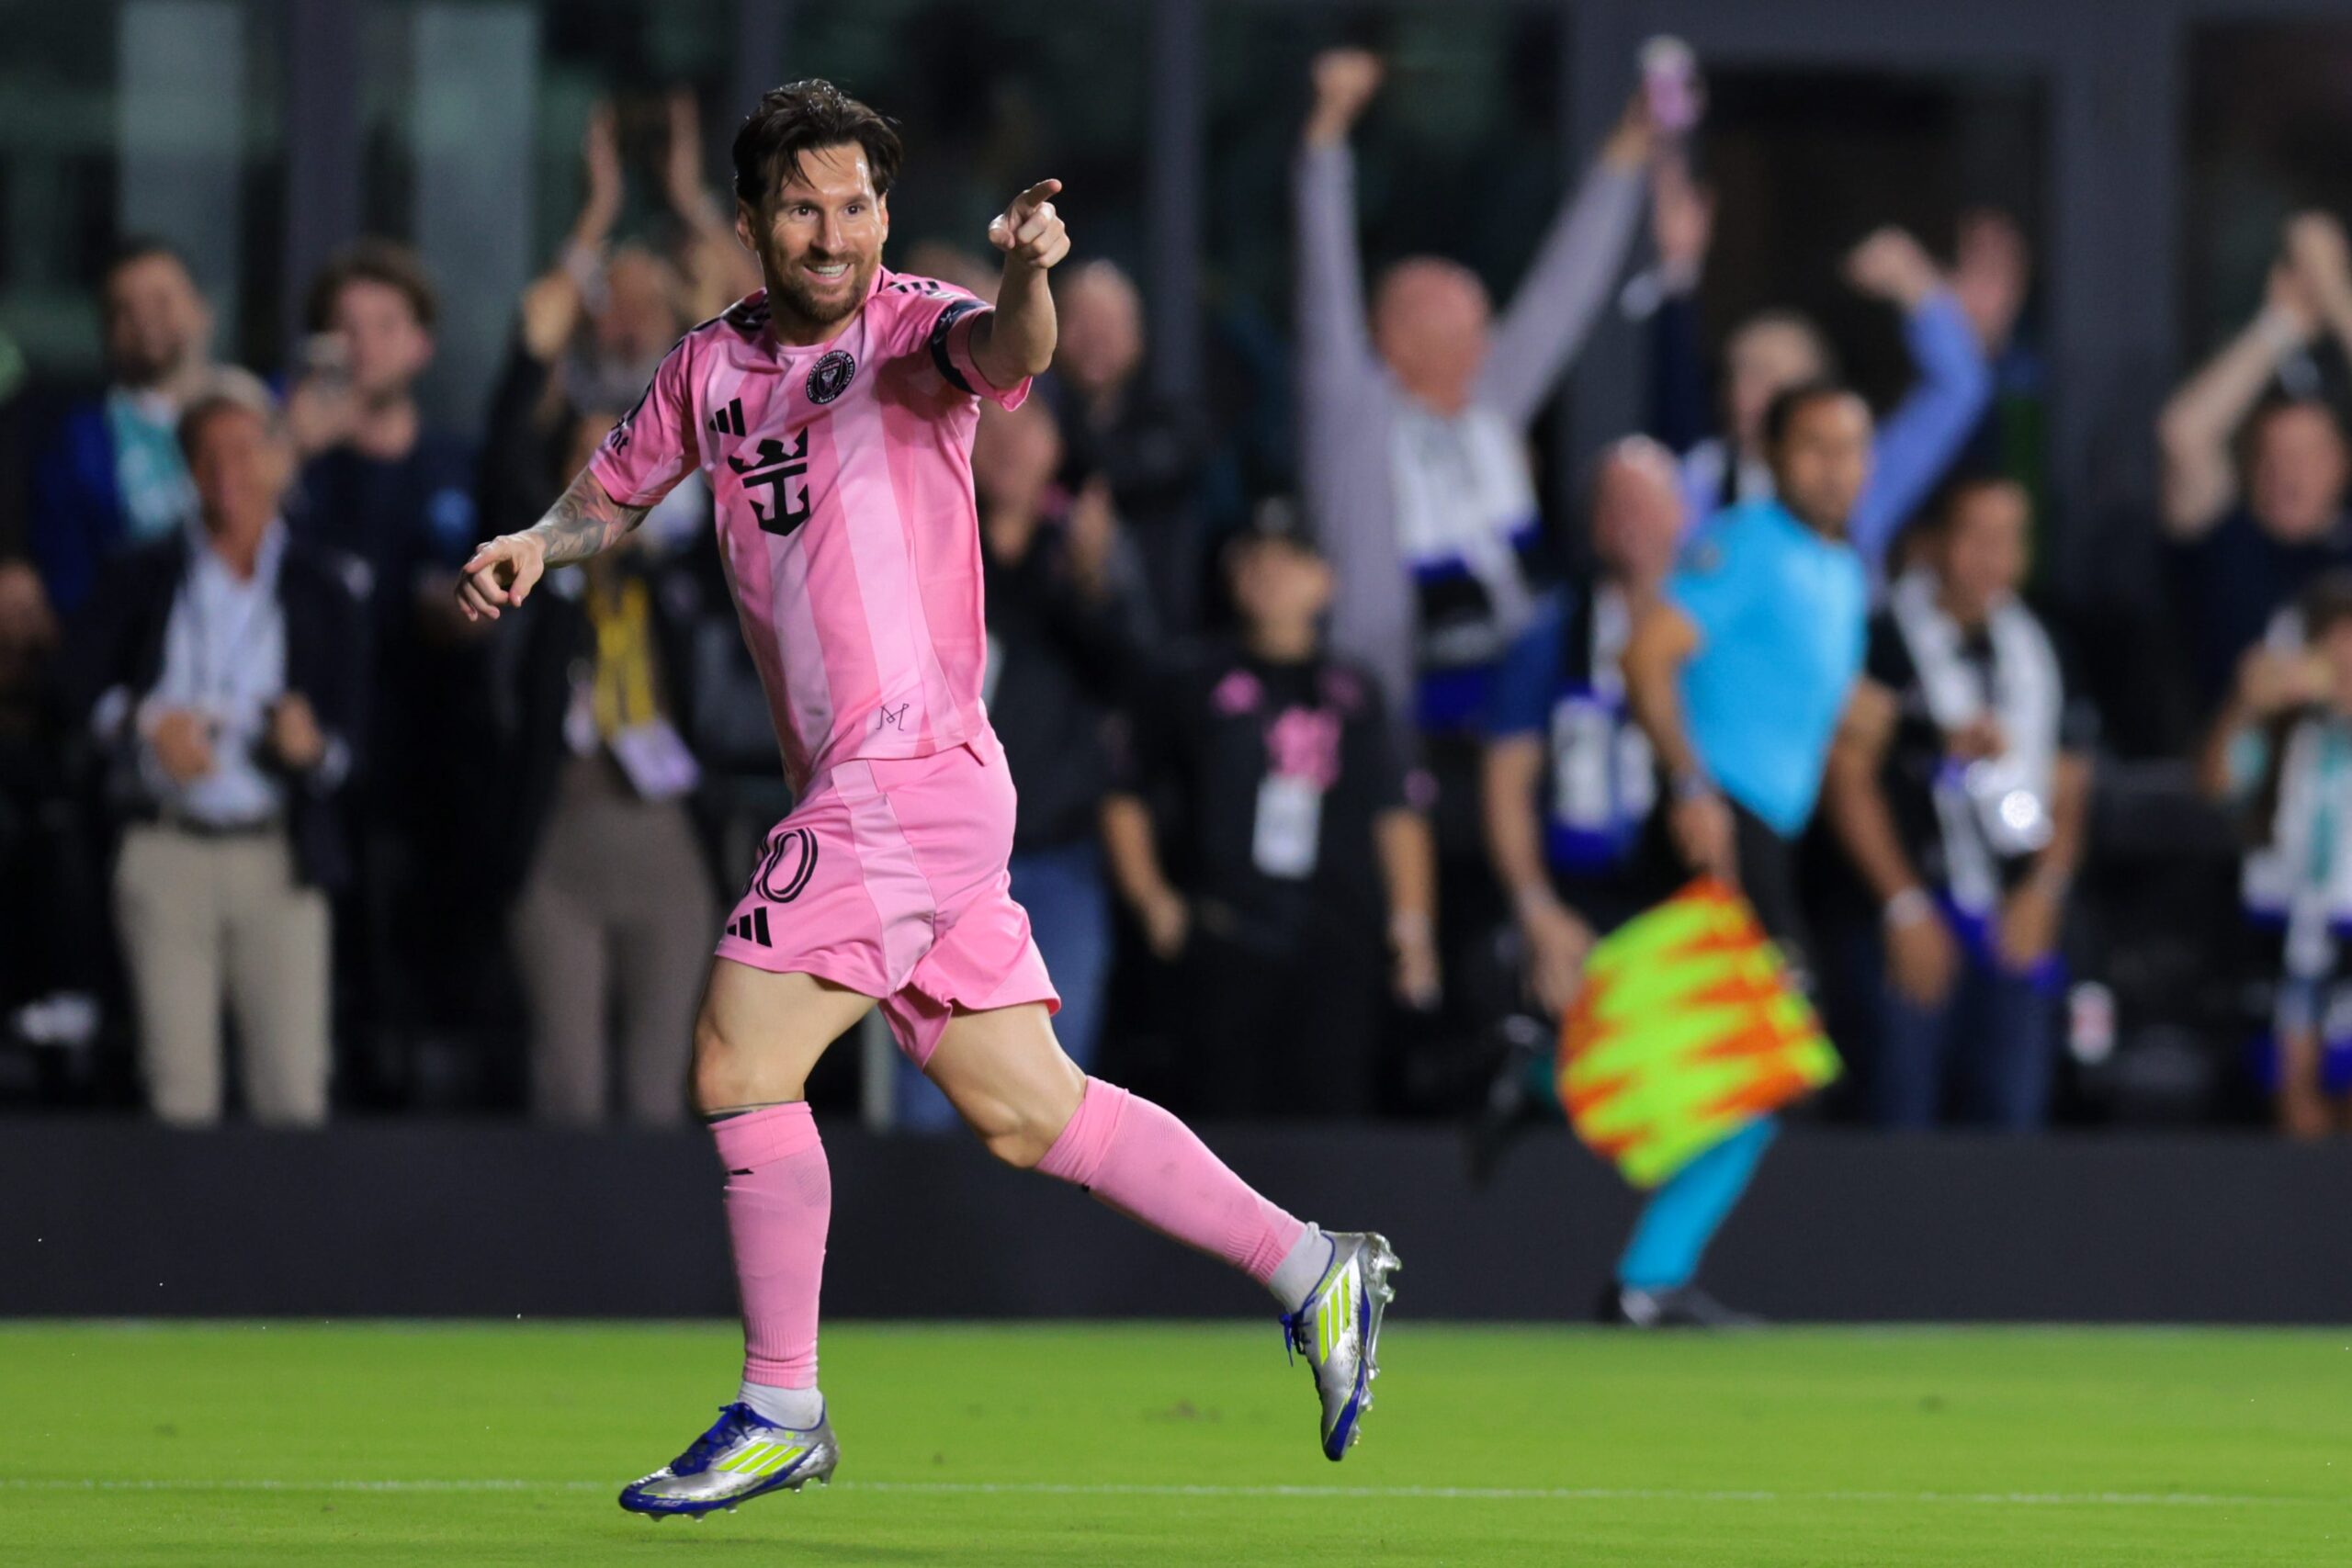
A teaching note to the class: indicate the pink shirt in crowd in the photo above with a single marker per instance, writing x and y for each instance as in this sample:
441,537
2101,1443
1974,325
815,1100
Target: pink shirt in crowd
842,477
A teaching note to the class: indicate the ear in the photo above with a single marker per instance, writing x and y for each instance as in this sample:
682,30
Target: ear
746,225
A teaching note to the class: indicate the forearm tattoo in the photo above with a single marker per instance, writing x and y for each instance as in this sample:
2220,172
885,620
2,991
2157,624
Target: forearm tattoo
583,521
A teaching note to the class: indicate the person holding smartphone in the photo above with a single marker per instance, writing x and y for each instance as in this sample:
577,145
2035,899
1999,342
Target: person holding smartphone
2282,753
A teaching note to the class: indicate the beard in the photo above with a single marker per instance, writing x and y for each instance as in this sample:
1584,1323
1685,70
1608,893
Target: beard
797,295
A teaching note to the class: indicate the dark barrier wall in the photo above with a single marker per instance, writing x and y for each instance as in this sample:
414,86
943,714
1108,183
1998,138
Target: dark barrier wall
480,1219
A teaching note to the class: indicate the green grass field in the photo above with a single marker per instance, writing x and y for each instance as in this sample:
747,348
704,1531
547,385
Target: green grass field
1180,1444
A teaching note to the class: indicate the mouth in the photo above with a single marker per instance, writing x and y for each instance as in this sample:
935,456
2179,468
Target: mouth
827,272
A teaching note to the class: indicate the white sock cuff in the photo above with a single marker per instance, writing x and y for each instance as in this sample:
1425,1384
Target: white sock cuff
799,1408
1302,1267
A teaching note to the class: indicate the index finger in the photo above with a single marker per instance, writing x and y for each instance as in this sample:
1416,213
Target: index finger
1028,200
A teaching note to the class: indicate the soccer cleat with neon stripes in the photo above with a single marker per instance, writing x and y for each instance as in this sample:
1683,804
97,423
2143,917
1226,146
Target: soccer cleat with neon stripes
1337,1328
742,1456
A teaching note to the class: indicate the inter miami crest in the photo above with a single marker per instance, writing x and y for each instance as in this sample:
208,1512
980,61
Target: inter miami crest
830,379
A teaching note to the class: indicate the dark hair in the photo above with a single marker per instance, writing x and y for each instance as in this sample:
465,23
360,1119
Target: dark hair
1943,508
1273,520
799,119
1782,410
138,248
387,262
2325,604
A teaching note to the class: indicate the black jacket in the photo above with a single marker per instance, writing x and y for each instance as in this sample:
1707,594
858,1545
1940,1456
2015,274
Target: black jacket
1063,662
117,643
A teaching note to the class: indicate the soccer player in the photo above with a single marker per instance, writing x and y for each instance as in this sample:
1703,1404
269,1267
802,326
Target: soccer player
833,414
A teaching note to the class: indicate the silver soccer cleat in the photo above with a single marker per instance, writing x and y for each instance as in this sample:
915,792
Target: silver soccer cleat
741,1457
1338,1330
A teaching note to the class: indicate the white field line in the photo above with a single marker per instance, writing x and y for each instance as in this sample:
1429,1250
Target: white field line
1117,1489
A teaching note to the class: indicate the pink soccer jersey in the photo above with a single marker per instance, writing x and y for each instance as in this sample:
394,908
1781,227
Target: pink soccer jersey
843,476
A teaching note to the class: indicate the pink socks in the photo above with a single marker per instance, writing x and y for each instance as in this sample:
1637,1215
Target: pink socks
1129,1152
1143,1162
779,1198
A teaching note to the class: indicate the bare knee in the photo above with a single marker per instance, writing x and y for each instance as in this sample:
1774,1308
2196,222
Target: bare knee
1020,1122
1017,1139
1009,1079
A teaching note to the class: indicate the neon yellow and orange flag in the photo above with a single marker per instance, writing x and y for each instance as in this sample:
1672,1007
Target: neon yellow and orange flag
1689,1028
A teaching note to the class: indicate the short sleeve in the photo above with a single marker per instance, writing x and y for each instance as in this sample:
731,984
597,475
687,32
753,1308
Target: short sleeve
1885,658
936,321
1521,703
1708,585
654,444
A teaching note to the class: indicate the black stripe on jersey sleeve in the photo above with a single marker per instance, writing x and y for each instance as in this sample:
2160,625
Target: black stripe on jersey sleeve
956,310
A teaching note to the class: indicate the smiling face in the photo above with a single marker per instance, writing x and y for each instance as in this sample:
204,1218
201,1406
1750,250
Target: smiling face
819,238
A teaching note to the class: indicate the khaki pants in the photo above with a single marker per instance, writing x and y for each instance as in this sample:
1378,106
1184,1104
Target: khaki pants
618,907
201,917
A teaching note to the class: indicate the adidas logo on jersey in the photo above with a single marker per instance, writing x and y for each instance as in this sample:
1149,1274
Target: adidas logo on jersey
729,421
752,926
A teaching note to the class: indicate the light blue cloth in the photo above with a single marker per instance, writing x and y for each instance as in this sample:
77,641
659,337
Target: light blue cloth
1682,1216
1915,445
224,657
1782,615
150,473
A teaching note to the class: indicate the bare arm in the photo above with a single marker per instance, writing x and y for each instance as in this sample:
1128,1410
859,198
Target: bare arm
1408,868
2320,257
2070,814
2270,681
1556,937
1016,340
2194,431
583,521
1922,961
1857,804
1129,845
1512,769
1663,640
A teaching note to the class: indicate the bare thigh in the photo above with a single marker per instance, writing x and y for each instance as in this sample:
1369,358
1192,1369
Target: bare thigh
1009,1079
760,1033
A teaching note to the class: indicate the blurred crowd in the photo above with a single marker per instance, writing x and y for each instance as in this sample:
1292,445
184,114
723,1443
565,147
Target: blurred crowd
1326,790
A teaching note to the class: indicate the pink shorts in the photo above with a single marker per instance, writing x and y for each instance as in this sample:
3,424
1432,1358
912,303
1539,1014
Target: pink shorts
890,878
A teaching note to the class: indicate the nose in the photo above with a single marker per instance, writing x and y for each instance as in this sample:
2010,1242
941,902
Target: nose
829,235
